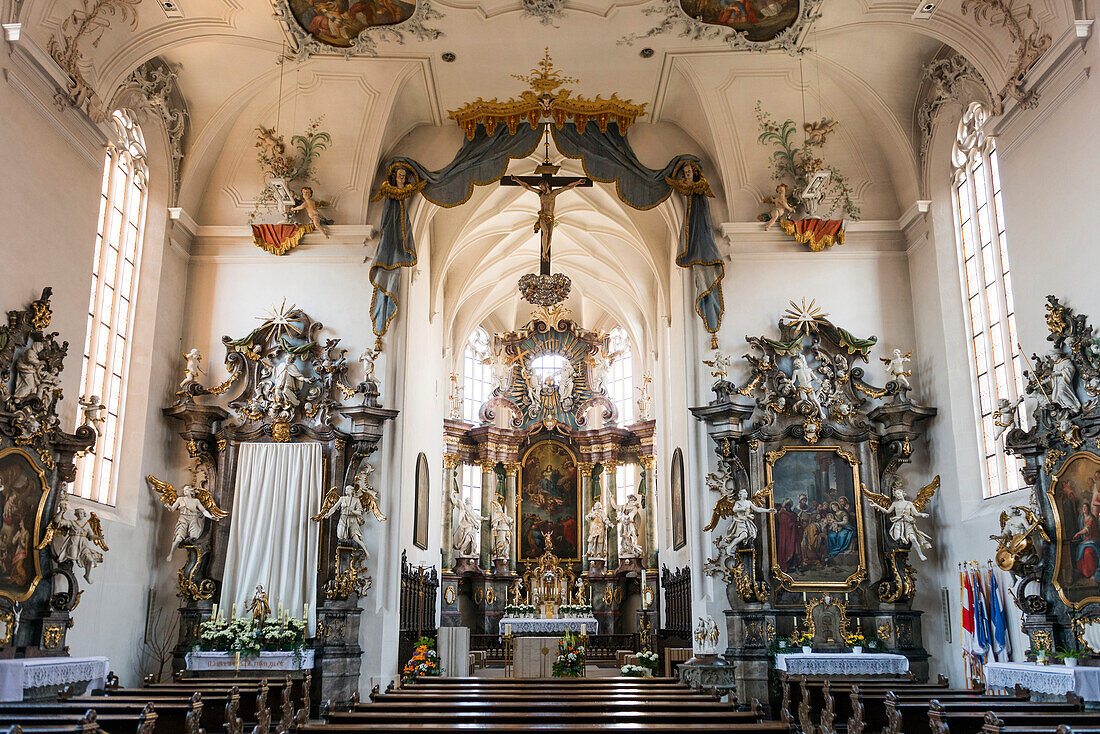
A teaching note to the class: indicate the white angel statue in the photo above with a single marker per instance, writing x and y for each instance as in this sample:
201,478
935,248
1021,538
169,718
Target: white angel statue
895,367
597,531
75,538
1004,415
192,506
903,513
629,517
565,381
358,499
92,408
500,367
192,367
741,511
720,365
366,359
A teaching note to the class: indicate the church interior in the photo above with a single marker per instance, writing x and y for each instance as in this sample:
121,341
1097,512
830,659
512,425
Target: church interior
732,366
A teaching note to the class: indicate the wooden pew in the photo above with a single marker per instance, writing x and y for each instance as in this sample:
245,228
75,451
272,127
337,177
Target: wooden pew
139,718
911,716
944,721
521,727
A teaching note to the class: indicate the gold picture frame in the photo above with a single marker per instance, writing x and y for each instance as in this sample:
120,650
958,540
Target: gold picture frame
23,482
1063,538
521,493
858,573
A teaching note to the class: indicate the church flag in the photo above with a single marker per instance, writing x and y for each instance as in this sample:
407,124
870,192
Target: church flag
967,598
981,615
1002,644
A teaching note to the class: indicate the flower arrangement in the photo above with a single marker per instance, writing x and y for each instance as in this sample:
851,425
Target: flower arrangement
805,639
425,660
796,165
648,659
249,636
575,610
855,640
571,657
633,671
519,610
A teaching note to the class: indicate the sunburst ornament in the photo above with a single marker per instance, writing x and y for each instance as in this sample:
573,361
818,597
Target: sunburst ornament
283,319
805,317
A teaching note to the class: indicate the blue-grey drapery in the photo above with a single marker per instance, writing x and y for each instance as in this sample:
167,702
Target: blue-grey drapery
606,156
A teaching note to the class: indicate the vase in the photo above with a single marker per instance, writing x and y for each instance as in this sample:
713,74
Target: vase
857,649
806,649
1070,662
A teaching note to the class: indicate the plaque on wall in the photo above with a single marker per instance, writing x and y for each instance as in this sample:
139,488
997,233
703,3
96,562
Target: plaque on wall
420,503
676,482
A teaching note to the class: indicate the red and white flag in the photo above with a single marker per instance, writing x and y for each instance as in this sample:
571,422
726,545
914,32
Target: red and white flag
967,593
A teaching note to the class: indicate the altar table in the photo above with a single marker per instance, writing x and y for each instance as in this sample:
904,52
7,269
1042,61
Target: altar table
533,657
1049,679
842,663
37,679
559,626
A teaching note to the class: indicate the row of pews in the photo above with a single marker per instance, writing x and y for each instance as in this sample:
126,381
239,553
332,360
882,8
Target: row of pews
904,706
232,705
573,706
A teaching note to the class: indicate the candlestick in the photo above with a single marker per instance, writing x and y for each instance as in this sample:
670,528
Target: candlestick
507,630
233,613
584,630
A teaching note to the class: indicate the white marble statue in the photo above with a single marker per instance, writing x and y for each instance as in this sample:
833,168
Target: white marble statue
1062,372
720,365
192,367
192,507
75,538
629,519
500,524
803,378
1004,415
92,409
29,370
645,400
565,381
349,528
597,531
534,389
742,527
500,368
896,369
706,636
285,380
466,532
366,359
601,365
902,514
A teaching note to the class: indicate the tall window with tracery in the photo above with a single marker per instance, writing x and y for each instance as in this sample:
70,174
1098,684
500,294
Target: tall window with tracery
470,484
620,378
987,291
626,482
476,375
115,270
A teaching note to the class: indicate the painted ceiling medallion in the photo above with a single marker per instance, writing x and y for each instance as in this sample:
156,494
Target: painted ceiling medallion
758,20
339,22
757,25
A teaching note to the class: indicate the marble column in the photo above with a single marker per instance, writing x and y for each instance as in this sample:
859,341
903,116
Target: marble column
611,505
585,488
450,478
488,491
650,488
511,481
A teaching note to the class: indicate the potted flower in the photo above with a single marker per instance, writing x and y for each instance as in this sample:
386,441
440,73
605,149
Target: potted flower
425,660
634,671
1071,657
806,640
648,660
855,641
570,660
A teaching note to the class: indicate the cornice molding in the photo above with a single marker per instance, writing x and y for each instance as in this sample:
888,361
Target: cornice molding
869,238
220,244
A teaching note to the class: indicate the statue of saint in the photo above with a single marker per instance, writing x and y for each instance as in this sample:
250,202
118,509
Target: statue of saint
285,380
465,541
597,531
629,518
258,606
501,525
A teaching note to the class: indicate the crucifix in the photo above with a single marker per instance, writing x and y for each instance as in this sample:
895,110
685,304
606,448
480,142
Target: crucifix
543,183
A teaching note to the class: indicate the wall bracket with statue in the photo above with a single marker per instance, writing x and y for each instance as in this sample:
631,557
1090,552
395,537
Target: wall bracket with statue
286,384
809,499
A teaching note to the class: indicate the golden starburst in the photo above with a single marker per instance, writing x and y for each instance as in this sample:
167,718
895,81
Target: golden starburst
282,318
805,317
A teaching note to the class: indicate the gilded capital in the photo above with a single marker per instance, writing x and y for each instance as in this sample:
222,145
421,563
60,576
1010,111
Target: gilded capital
647,462
450,461
511,468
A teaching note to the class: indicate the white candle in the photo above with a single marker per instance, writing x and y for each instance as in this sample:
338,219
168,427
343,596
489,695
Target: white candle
234,611
280,610
507,630
214,611
643,580
305,610
584,630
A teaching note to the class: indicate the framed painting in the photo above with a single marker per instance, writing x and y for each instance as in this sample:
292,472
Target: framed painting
420,503
758,20
817,535
23,494
1074,497
676,488
548,501
339,22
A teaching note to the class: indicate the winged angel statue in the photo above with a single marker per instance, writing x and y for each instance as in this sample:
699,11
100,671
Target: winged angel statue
903,513
358,499
75,538
739,509
191,504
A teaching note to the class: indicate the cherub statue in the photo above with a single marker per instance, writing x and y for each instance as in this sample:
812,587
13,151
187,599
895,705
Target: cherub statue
706,635
500,525
817,131
597,531
720,365
191,506
92,408
1004,415
367,359
896,369
192,367
465,540
1016,546
903,513
629,517
781,206
358,499
645,400
601,365
742,529
312,209
75,538
259,606
803,378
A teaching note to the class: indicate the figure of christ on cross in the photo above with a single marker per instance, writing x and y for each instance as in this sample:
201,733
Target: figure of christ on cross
544,186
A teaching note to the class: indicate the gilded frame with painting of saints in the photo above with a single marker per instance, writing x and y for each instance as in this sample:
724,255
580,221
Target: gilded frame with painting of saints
23,495
1074,496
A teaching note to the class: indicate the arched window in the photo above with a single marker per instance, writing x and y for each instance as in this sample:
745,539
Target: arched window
115,269
620,378
470,484
626,482
987,290
476,375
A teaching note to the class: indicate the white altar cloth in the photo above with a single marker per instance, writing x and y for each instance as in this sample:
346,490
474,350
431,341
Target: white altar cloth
842,663
1055,679
280,661
525,626
21,674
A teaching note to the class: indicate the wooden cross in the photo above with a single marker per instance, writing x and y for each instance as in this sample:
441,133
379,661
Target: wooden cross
547,186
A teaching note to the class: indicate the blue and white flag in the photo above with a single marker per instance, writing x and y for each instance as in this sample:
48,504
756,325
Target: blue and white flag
1002,644
981,616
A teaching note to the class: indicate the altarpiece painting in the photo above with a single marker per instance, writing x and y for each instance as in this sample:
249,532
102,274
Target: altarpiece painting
549,502
23,492
1075,504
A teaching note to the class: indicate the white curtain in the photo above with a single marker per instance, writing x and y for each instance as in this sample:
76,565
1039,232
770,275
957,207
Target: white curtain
272,541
